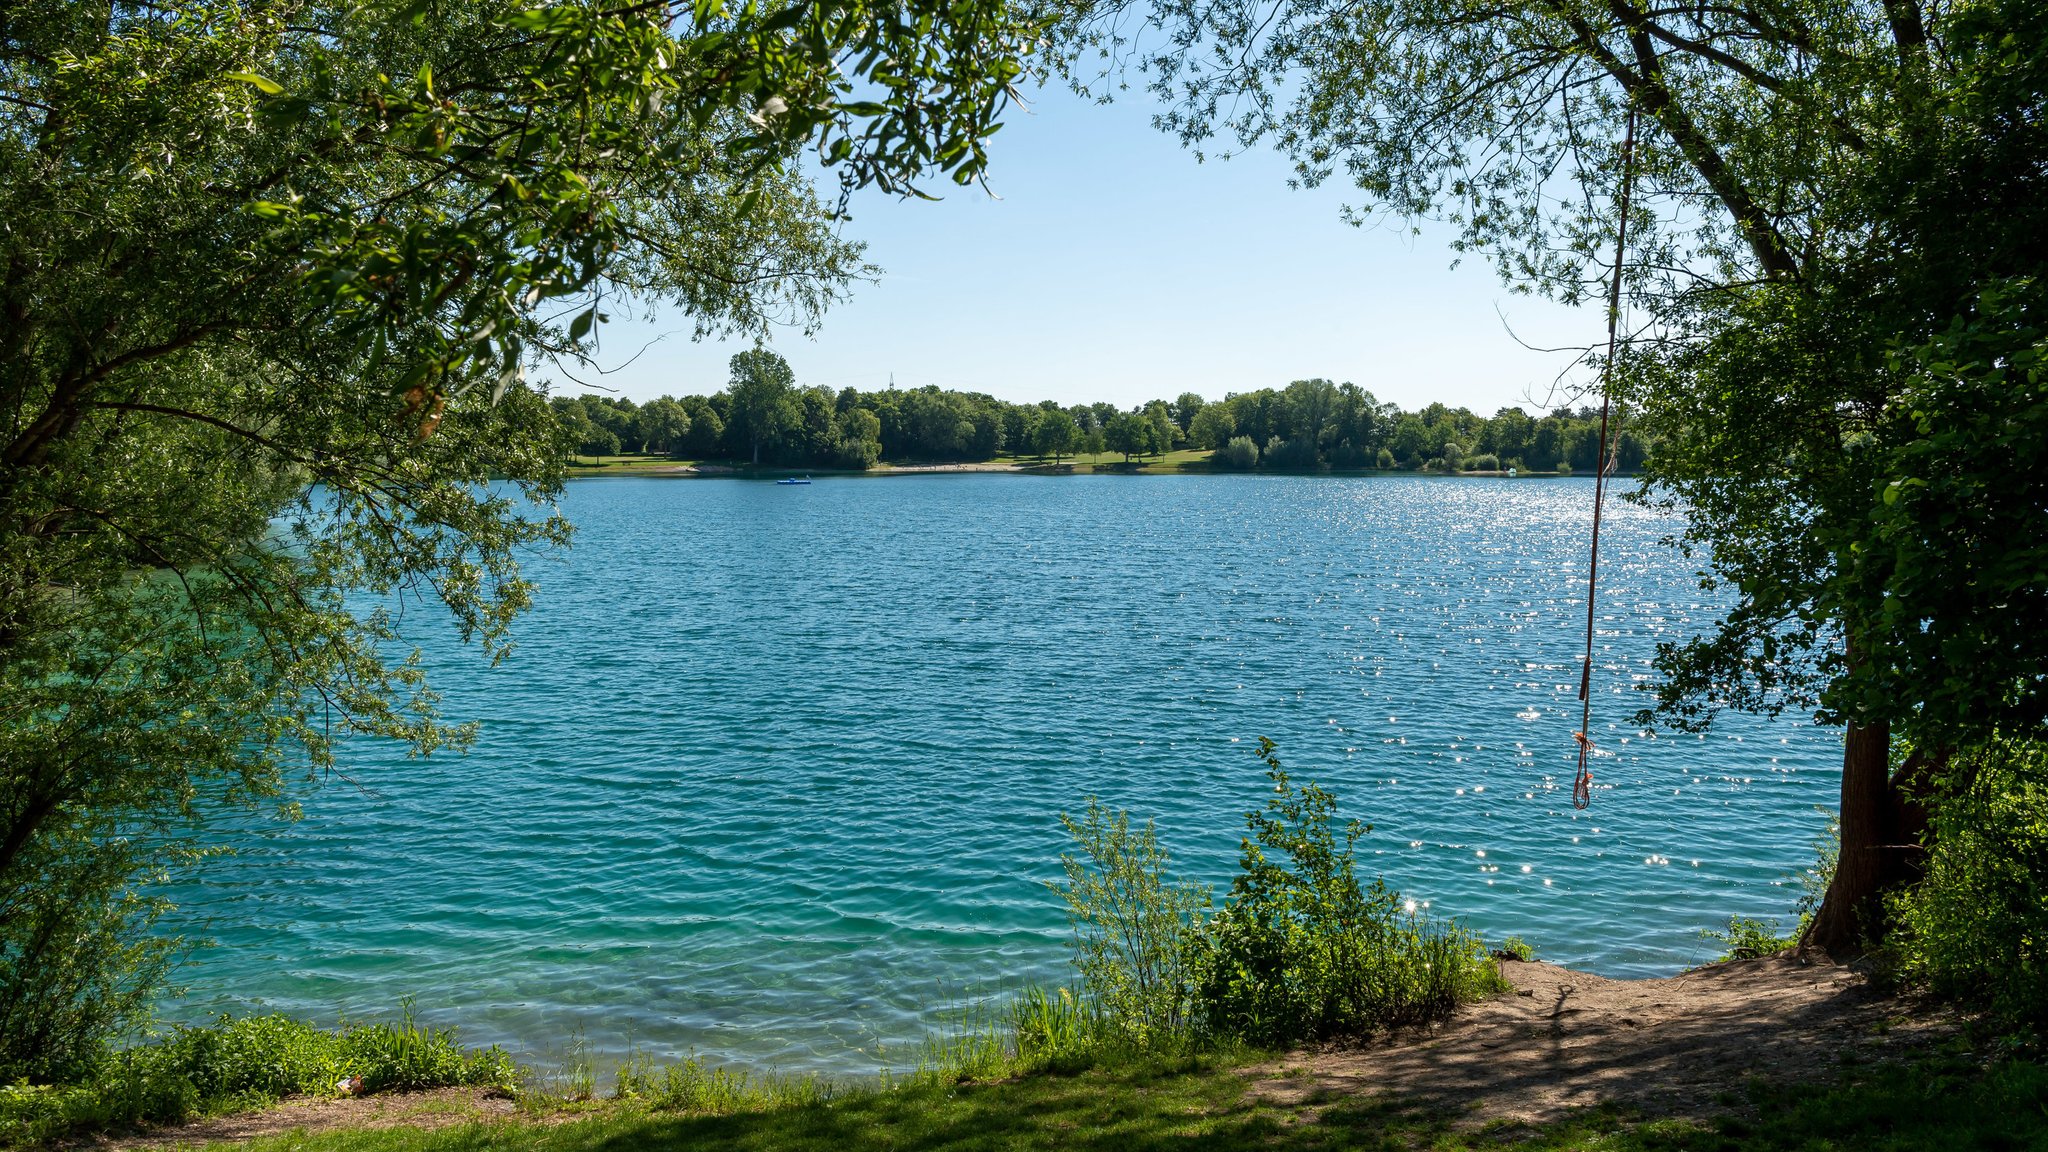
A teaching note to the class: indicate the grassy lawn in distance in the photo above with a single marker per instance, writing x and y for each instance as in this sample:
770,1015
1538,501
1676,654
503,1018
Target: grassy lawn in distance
1104,461
1175,461
1946,1104
603,465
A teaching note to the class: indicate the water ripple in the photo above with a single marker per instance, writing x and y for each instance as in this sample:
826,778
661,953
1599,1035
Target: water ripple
775,772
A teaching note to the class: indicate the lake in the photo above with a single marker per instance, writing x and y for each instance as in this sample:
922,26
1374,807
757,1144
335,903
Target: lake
774,774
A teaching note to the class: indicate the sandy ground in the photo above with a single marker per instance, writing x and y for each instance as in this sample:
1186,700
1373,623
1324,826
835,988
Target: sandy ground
439,1108
1561,1040
1676,1046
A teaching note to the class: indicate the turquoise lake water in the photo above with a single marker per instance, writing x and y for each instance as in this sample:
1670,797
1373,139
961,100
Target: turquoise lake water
774,773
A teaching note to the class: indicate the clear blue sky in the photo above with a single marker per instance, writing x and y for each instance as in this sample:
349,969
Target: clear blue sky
1115,267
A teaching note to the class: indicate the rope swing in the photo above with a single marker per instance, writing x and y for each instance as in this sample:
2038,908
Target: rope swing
1582,786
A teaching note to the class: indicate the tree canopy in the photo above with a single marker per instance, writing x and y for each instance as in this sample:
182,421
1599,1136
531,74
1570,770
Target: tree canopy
1307,426
1832,268
272,276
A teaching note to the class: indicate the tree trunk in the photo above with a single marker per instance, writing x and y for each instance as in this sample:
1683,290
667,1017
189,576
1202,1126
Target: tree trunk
1884,818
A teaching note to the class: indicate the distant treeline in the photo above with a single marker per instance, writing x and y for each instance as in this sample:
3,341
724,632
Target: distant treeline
764,417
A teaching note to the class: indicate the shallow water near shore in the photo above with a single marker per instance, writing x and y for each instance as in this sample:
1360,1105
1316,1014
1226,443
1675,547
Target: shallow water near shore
775,772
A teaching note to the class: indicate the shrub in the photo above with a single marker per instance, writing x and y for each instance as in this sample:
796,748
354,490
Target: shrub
1303,951
1749,939
1298,454
1976,927
1131,924
1385,460
79,962
236,1064
1484,462
1515,948
1239,454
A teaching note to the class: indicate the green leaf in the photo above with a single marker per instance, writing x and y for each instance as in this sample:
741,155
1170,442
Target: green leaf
263,84
580,327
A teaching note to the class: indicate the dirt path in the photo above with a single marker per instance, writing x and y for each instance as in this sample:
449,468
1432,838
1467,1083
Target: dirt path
1683,1046
1567,1039
439,1108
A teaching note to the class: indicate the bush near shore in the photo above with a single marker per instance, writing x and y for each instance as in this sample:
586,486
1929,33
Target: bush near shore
238,1065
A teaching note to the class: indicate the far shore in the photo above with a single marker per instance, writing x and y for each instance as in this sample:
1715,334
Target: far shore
1170,466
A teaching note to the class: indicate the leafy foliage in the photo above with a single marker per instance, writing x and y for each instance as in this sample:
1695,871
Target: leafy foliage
1300,951
1749,939
1303,951
272,277
1977,926
236,1064
1238,455
1515,948
1322,425
1132,925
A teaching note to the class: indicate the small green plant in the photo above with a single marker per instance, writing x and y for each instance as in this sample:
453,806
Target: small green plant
1749,939
1515,948
1304,951
1051,1028
697,1088
968,1045
1131,922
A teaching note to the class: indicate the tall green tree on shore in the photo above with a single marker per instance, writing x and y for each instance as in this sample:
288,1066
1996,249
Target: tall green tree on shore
762,390
1055,434
1862,425
271,279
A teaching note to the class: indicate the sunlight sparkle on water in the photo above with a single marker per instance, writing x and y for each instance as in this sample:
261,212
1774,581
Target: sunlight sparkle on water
769,766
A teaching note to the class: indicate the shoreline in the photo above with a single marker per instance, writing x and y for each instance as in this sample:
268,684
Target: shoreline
1557,1046
697,471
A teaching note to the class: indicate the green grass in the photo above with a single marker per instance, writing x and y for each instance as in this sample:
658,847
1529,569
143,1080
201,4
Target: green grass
612,465
1184,459
1197,1104
238,1065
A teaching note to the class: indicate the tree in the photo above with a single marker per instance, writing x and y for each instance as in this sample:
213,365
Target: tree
1093,442
860,439
1213,427
1054,434
1863,501
763,392
1309,405
663,425
814,432
1127,433
706,437
1160,429
272,277
1507,434
1768,124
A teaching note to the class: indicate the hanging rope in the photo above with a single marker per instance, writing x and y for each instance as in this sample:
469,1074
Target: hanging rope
1582,785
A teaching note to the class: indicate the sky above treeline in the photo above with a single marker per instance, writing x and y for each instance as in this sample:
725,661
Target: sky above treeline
1114,266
